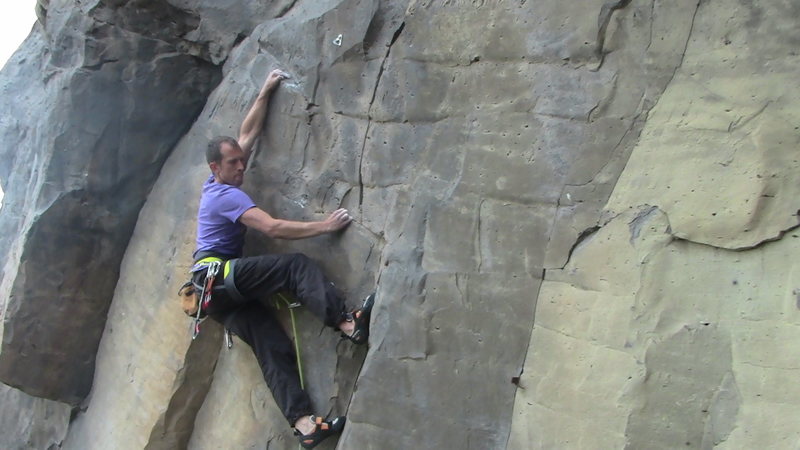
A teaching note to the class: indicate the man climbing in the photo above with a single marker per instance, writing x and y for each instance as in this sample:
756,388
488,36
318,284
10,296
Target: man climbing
224,215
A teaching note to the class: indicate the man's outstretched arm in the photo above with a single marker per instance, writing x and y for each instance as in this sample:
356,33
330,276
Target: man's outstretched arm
258,219
254,121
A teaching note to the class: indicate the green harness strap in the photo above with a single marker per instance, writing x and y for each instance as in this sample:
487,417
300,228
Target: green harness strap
225,270
290,307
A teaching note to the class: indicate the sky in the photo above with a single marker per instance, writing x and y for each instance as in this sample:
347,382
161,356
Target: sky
16,19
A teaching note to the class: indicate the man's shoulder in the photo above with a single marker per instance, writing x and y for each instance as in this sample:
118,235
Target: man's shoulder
224,194
212,187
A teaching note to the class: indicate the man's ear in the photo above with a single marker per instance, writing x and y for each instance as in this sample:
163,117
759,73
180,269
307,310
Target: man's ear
214,166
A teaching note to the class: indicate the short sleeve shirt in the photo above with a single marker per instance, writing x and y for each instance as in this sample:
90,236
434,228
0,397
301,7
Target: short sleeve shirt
218,226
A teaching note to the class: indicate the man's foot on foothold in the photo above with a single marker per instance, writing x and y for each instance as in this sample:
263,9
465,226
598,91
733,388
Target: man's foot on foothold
322,430
360,319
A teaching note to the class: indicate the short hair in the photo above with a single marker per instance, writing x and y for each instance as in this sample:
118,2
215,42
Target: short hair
214,149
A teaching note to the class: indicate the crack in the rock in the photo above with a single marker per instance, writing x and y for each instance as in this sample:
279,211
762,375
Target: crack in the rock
582,236
479,237
305,151
316,86
461,292
285,9
685,46
100,64
739,124
483,61
366,260
611,157
764,366
556,116
652,20
755,246
420,121
602,26
395,36
651,209
571,284
603,103
591,111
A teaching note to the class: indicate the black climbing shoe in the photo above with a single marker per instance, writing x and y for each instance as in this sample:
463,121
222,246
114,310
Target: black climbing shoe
322,429
360,318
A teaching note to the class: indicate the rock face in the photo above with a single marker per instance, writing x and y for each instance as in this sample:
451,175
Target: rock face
579,218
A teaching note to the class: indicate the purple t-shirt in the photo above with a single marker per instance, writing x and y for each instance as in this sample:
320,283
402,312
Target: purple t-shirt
218,227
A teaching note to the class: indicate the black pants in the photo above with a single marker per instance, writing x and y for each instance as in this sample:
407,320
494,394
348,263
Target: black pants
257,278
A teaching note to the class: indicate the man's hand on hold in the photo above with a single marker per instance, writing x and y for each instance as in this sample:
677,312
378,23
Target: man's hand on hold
337,220
274,79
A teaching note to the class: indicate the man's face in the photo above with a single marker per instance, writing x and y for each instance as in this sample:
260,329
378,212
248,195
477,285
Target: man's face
231,169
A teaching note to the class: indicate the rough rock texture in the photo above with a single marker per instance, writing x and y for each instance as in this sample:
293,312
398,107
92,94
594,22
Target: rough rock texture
580,218
94,103
29,422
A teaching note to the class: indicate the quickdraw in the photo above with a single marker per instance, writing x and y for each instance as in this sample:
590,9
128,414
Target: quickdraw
205,296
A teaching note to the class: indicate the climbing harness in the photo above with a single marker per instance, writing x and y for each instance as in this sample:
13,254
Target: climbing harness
205,295
212,265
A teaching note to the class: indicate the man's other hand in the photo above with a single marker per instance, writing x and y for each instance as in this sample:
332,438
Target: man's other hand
274,79
337,220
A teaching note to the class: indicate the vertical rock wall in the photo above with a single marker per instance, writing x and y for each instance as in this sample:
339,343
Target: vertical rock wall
579,217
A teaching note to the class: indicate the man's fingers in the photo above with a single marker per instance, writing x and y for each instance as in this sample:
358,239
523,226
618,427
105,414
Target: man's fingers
277,73
342,215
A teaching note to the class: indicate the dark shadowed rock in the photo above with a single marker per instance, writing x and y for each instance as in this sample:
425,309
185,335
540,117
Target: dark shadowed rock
94,109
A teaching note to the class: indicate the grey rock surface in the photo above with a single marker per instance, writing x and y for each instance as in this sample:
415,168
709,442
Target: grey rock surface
533,184
30,422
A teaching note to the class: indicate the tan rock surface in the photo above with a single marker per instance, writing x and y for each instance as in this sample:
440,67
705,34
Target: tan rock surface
719,152
655,335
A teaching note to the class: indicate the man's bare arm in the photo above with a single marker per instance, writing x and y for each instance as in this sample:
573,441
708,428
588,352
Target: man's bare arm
258,219
254,121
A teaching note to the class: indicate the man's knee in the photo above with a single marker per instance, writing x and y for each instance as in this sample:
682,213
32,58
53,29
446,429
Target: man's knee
299,260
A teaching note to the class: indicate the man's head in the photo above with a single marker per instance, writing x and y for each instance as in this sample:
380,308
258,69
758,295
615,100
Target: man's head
227,160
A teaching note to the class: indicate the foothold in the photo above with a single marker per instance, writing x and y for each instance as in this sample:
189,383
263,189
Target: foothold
338,41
